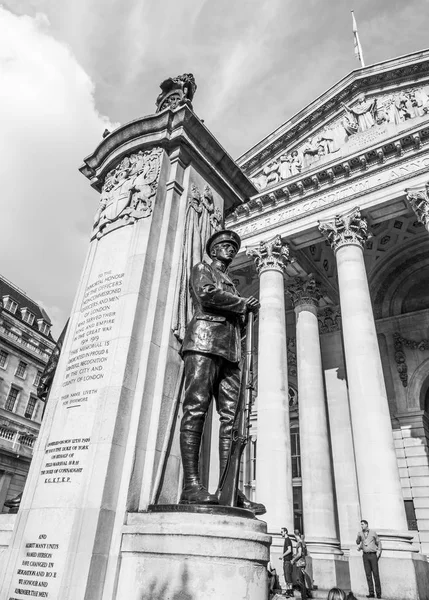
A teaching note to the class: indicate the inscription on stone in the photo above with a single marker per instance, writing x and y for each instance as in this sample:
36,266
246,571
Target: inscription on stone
63,459
37,569
90,349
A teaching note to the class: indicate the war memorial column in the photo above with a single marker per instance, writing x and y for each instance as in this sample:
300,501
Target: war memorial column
317,480
273,459
98,518
380,493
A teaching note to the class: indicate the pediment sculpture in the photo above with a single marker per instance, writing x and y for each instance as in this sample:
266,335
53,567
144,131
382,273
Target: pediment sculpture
364,114
128,191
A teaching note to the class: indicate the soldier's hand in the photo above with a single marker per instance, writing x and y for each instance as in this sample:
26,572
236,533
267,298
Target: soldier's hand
252,304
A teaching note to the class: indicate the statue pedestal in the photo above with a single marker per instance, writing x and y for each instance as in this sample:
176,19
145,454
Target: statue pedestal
193,552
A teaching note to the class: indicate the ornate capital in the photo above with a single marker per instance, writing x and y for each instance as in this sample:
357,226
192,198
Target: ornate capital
346,229
304,290
270,255
419,200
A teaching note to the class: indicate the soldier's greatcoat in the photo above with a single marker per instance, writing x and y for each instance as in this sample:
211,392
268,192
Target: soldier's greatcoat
215,327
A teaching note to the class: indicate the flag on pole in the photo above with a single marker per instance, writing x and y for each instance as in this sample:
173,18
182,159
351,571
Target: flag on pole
358,47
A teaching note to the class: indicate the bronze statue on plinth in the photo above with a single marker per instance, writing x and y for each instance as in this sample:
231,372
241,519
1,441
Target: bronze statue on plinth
212,354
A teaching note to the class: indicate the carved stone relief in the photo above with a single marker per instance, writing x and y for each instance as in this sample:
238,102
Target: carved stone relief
176,91
291,357
128,191
400,344
419,200
370,115
329,320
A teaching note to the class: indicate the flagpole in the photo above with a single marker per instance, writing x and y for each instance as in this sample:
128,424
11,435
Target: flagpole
358,47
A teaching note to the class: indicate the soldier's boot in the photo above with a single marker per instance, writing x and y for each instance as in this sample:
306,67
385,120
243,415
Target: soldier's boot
242,501
193,491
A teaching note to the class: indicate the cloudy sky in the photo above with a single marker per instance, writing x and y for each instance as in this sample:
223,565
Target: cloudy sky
69,68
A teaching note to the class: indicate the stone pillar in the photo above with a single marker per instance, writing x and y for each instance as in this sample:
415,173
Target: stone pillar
273,458
317,479
380,493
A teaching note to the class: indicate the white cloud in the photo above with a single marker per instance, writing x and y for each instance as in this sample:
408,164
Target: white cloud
48,123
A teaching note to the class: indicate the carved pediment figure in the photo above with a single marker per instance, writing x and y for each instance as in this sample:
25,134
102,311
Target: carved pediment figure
363,112
404,106
295,162
420,102
272,172
260,181
285,166
176,91
310,152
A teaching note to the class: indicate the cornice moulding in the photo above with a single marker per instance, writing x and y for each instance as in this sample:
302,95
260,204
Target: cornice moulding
169,129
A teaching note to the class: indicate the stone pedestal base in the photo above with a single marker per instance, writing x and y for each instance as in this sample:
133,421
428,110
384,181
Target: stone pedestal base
329,570
403,575
213,555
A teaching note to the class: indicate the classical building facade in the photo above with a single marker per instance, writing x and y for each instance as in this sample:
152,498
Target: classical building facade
25,346
336,245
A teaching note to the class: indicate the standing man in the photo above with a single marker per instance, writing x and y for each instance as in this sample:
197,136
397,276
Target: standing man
287,564
370,544
300,562
212,354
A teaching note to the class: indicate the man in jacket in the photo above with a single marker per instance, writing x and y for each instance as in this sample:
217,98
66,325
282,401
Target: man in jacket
212,353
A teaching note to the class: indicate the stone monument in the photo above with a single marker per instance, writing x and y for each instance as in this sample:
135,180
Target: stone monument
96,520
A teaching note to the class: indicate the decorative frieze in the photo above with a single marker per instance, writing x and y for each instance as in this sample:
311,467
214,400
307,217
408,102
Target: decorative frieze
304,290
347,229
128,191
419,200
400,344
329,320
270,254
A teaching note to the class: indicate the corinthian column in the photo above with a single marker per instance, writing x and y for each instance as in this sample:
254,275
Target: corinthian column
419,201
317,481
379,486
273,458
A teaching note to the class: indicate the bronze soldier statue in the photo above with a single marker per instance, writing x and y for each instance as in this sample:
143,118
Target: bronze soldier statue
212,353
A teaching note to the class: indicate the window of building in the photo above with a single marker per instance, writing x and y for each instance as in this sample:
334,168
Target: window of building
411,515
37,378
296,452
10,304
27,316
12,398
3,358
298,522
253,460
21,369
29,411
43,326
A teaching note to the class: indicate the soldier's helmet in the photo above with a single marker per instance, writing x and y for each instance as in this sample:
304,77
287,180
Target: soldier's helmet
224,235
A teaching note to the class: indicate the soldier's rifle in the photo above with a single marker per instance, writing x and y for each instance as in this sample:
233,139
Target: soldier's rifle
240,430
